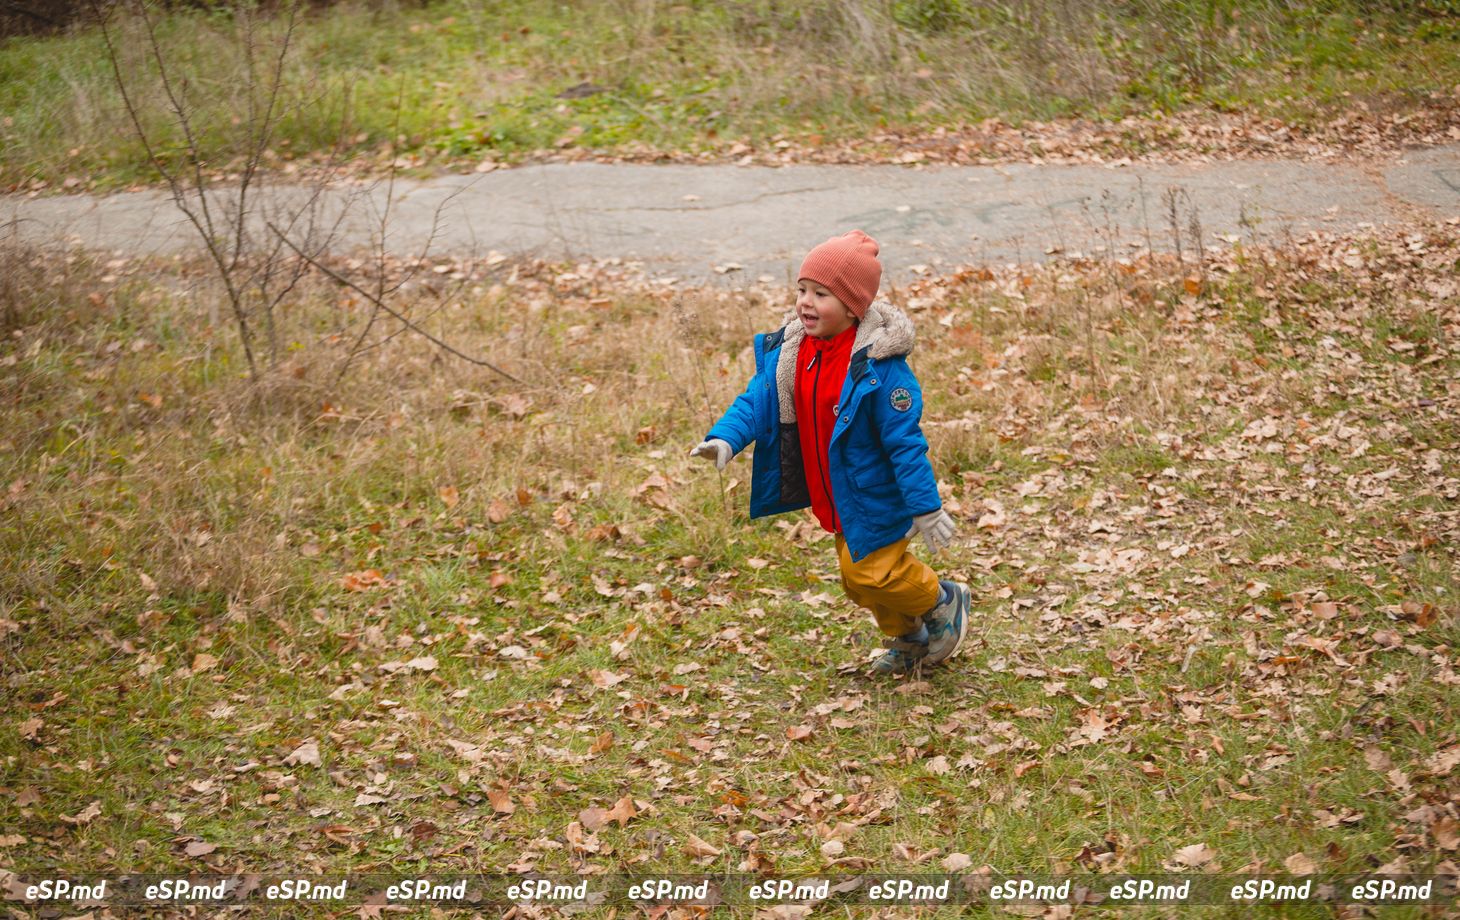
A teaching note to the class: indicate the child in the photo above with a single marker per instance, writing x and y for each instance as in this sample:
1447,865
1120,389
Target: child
833,410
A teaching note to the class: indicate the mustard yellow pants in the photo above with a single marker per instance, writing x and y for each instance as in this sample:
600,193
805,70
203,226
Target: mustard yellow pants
892,583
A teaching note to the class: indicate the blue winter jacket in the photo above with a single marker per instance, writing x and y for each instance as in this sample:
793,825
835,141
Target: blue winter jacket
880,474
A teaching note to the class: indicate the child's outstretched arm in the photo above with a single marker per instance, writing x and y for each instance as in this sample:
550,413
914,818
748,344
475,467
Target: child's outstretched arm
733,432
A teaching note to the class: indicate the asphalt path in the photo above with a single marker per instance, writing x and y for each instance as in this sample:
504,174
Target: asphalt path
739,223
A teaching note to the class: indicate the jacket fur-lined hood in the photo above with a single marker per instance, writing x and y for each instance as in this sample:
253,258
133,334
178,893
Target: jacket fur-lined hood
885,331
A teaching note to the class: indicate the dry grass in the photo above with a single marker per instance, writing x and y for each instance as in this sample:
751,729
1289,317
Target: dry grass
1211,536
218,469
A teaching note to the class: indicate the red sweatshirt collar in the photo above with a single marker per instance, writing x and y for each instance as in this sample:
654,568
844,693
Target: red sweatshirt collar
837,342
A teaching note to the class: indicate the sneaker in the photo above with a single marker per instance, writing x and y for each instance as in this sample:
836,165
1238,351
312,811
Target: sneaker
901,656
947,623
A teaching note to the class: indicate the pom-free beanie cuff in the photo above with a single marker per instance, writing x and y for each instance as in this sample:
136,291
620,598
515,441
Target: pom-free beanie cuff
847,266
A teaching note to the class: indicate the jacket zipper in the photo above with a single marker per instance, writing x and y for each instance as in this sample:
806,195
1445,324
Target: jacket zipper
816,434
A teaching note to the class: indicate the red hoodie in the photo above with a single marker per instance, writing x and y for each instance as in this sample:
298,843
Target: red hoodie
821,369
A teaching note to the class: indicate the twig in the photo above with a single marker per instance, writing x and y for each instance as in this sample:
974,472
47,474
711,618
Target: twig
1145,218
688,329
203,224
1173,216
1193,225
380,291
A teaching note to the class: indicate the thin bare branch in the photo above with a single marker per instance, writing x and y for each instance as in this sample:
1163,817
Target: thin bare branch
204,224
381,304
264,130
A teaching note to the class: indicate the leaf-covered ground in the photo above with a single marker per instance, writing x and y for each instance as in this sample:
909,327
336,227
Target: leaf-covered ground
425,618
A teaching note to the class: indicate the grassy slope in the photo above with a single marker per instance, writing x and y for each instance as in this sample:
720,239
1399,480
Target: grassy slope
1212,540
475,80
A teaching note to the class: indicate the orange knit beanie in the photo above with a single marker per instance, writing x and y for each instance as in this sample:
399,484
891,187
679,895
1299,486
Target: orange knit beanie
847,266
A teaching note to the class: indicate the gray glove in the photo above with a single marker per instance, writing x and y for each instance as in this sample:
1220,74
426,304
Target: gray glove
716,450
937,528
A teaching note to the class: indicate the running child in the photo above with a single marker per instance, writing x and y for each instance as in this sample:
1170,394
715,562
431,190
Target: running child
834,411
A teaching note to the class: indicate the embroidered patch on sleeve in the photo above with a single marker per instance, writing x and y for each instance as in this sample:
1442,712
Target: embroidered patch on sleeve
901,399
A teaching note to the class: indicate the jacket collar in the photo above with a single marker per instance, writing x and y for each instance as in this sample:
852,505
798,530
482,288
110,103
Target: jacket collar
884,332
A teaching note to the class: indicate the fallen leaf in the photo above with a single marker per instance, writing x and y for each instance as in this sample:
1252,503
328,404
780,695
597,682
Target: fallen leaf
449,496
203,662
1300,864
200,848
1399,865
502,803
604,533
512,404
700,848
307,754
563,517
1421,614
619,648
362,581
423,663
623,811
1194,856
592,818
339,833
1377,759
1442,762
1446,832
85,815
912,853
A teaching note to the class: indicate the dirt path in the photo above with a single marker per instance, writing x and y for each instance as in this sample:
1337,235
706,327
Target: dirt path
740,223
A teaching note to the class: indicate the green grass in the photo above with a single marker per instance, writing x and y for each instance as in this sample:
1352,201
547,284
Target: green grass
1154,700
461,81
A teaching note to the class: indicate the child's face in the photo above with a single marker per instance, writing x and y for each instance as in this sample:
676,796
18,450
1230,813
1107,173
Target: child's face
822,313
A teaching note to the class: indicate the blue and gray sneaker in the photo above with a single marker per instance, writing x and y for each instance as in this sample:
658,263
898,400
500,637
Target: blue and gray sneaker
904,653
948,622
